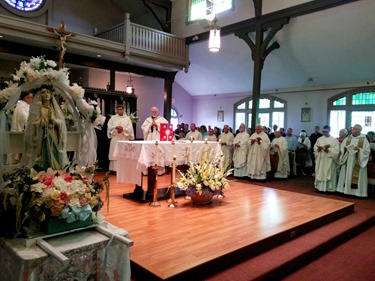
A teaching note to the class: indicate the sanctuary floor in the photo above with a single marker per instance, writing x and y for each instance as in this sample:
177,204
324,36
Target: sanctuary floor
169,242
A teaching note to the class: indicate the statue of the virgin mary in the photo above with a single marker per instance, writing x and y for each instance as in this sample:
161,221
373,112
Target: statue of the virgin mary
45,133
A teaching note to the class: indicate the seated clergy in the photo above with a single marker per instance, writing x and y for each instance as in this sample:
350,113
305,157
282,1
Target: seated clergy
240,143
258,159
279,147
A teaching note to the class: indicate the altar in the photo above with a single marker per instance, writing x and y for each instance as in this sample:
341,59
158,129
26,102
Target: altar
91,256
134,157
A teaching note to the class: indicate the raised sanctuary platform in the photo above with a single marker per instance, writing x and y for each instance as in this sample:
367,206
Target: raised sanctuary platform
181,243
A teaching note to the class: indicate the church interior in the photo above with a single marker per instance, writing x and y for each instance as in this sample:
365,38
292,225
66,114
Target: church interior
306,57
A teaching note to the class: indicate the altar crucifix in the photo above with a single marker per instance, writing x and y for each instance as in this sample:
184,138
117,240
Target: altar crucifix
63,34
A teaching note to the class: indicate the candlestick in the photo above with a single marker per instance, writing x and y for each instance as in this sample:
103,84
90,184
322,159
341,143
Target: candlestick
174,169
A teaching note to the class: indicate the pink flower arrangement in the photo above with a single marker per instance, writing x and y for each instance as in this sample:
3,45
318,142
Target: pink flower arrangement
35,196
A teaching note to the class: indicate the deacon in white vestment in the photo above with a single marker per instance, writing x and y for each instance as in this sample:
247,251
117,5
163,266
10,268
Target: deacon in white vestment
119,128
355,151
279,146
19,120
193,133
151,126
241,143
226,139
326,151
258,159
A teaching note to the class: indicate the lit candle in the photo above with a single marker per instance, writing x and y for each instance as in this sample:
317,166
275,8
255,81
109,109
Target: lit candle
156,152
205,141
174,169
191,139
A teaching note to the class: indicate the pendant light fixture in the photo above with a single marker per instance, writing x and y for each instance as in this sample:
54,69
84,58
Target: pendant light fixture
129,87
214,39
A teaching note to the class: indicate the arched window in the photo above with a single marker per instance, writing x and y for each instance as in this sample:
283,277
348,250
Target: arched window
352,107
271,111
174,118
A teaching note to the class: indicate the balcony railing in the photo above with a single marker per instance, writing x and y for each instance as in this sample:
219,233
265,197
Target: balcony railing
148,42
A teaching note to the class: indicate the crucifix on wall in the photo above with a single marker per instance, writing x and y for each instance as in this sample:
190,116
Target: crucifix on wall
63,34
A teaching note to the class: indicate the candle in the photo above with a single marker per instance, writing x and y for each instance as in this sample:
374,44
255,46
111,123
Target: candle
156,152
174,169
191,139
205,141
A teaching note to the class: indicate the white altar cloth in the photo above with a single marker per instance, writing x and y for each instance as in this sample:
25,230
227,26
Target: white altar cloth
133,157
85,250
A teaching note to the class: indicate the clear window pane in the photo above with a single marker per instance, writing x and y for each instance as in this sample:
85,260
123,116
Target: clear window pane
198,9
364,118
337,121
174,113
264,103
264,119
341,101
241,106
363,98
277,104
249,118
240,118
221,6
250,104
278,119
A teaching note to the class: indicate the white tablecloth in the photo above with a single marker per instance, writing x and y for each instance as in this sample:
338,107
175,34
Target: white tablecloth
85,250
133,157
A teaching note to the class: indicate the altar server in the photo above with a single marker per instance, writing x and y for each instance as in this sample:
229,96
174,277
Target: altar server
193,134
226,139
119,128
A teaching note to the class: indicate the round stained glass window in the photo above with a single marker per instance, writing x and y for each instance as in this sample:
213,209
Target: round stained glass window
25,5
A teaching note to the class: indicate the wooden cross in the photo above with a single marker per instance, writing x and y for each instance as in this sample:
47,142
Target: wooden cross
63,34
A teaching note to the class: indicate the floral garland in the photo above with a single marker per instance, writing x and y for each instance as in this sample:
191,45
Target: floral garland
39,67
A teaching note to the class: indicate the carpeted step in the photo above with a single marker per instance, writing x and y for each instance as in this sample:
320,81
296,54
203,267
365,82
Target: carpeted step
286,258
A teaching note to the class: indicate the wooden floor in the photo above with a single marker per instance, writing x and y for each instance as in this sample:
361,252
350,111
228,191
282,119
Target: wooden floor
168,242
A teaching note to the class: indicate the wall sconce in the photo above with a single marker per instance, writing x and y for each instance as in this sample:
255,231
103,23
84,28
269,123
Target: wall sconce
129,87
214,40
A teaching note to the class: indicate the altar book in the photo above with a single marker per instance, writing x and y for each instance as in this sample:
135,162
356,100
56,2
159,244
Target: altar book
166,132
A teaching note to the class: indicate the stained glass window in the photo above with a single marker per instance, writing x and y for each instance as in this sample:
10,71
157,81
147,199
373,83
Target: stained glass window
341,101
25,5
363,98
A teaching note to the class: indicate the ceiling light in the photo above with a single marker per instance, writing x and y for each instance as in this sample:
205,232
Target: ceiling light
214,40
99,56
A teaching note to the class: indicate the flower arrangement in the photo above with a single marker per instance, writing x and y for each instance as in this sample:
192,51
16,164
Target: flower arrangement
31,197
205,176
132,115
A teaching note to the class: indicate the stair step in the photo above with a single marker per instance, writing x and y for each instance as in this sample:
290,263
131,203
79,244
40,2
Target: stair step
286,258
